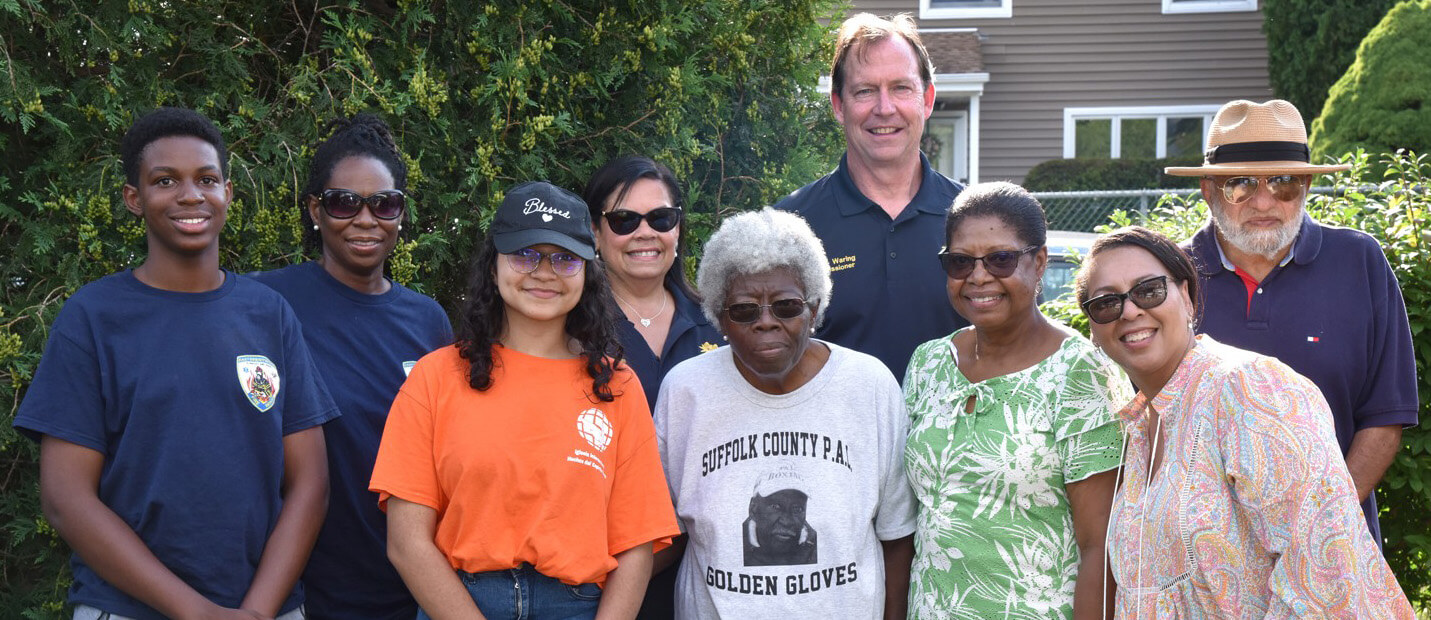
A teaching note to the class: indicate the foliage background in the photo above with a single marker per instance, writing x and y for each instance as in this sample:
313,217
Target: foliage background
1095,174
1310,43
481,96
1389,197
1383,102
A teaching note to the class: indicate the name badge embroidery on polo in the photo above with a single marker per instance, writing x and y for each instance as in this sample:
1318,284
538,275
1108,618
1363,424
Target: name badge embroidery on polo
258,378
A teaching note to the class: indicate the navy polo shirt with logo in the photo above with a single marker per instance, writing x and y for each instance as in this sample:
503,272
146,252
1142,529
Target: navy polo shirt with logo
1334,313
889,290
188,397
363,346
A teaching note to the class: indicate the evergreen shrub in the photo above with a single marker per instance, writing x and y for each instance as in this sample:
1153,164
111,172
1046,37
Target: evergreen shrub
1310,43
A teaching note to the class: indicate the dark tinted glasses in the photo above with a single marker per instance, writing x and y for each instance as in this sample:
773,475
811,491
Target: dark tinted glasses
750,312
1147,294
342,204
1001,264
1284,187
626,221
564,264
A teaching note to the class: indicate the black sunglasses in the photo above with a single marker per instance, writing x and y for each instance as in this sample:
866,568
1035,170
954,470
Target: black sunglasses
1147,295
750,312
343,204
1001,264
626,221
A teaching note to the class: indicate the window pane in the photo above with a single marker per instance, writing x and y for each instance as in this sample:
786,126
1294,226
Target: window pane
965,4
1092,137
1185,137
1139,138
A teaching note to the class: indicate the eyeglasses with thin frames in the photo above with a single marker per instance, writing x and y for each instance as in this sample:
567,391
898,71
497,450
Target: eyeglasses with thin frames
749,312
564,264
1283,187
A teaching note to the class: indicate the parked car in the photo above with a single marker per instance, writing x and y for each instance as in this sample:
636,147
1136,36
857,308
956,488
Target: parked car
1066,250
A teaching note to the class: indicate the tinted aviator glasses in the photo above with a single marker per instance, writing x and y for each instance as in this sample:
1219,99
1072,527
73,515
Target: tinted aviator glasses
564,264
626,221
343,204
1284,187
1147,295
748,312
1001,264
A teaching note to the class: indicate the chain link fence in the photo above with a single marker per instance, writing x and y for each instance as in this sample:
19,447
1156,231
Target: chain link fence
1082,211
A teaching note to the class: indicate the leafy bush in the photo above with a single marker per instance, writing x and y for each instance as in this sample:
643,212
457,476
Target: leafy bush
1310,43
481,95
1088,174
1383,102
1395,208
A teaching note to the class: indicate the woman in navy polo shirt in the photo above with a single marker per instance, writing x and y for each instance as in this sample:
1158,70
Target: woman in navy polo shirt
365,332
636,211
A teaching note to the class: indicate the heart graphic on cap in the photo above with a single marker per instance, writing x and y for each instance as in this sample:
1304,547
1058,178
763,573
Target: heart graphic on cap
546,217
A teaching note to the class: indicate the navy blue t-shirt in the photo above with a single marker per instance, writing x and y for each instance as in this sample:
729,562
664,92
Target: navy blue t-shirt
889,290
1334,313
188,396
363,346
690,335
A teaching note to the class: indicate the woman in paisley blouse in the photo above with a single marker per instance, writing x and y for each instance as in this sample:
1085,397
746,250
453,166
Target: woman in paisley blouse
1013,446
1235,501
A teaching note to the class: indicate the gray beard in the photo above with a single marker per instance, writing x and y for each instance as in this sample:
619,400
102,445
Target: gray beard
1268,244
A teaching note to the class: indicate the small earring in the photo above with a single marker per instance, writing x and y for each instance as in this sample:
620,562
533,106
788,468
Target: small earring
399,227
725,338
315,228
812,330
1192,326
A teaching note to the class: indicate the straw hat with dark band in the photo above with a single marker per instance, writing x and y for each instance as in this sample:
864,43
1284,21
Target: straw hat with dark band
1250,138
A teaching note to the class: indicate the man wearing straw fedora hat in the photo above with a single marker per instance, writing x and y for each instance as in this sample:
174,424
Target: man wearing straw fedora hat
1321,299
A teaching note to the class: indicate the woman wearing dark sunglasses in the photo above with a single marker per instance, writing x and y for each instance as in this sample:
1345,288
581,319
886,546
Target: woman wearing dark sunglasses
636,211
364,332
782,451
1235,501
1012,445
519,467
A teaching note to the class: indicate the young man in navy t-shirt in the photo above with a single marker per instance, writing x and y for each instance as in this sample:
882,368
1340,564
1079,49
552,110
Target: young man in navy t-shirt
178,411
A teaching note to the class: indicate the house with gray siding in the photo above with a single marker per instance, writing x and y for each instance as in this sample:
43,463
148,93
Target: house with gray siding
1019,82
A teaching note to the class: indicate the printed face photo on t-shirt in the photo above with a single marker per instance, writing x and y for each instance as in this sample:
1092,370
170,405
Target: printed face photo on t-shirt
776,533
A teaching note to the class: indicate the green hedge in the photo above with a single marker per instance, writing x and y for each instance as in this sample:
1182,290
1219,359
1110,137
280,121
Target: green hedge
1310,43
481,95
1383,102
1397,212
1090,174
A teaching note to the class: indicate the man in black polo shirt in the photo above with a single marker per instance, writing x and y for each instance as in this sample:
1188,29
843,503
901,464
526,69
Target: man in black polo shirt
880,214
1321,299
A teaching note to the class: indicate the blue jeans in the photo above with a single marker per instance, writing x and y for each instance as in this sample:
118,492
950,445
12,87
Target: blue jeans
522,593
85,612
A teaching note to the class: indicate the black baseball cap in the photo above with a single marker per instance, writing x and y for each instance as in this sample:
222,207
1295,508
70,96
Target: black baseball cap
539,212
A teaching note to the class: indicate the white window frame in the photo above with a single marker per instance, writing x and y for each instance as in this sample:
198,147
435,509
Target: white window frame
1208,6
1071,116
1005,9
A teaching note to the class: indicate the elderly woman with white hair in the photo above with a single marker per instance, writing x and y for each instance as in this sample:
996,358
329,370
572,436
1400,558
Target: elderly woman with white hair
783,452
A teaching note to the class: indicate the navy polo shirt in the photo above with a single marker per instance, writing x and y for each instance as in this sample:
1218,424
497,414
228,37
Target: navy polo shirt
691,334
889,295
1333,313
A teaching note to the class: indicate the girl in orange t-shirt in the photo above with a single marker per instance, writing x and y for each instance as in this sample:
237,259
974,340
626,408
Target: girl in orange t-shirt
519,467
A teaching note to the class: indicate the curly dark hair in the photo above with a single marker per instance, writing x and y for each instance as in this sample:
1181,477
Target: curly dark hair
614,179
362,135
166,123
592,323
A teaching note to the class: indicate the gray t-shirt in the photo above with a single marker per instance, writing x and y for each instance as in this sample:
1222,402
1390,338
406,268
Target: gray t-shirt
785,498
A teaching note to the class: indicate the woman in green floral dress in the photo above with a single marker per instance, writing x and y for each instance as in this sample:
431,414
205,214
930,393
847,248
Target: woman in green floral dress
1013,446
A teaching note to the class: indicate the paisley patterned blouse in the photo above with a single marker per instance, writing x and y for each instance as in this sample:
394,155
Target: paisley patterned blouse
1251,513
994,535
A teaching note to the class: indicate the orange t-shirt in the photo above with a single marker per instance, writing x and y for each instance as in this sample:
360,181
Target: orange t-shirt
531,470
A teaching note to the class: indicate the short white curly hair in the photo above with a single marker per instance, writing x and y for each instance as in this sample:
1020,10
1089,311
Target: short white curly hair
757,242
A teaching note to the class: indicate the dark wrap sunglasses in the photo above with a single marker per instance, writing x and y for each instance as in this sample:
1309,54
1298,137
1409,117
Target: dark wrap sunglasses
343,204
1147,295
1001,264
626,221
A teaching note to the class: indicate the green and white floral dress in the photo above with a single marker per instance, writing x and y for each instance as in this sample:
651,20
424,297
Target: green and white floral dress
994,534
